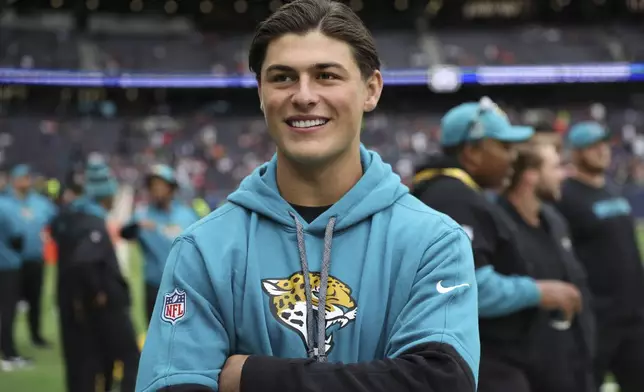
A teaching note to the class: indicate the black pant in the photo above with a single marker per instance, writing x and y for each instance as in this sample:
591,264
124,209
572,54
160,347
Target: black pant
151,292
79,348
9,295
620,350
115,338
32,276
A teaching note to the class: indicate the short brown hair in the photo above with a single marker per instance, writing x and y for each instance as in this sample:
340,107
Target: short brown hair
529,157
333,19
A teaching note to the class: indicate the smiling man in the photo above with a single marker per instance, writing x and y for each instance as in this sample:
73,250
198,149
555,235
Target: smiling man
321,272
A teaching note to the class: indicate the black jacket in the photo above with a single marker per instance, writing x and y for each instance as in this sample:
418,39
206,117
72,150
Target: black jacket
493,245
87,260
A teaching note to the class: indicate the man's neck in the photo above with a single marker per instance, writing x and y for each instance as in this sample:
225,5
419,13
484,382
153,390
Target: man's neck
163,205
596,180
318,186
527,205
21,194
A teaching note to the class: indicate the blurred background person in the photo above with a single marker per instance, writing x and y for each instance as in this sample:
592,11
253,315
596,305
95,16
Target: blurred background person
94,297
11,244
156,225
604,238
561,356
36,211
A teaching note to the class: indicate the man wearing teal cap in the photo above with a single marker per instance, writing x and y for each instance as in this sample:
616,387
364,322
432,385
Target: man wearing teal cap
478,144
604,239
36,211
156,225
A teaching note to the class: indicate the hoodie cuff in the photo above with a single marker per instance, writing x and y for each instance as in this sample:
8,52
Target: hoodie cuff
264,373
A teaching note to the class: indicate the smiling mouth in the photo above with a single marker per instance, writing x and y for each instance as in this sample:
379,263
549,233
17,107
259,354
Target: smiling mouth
304,124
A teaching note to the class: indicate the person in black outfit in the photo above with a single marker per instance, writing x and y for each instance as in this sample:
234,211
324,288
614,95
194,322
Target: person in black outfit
94,298
563,349
603,235
479,149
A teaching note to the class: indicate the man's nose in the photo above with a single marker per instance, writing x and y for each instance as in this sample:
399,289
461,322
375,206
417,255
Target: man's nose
304,96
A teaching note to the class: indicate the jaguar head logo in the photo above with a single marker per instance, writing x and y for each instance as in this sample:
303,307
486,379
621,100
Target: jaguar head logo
288,304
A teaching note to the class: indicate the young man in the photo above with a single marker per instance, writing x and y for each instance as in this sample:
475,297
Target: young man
604,238
94,298
321,272
155,227
36,212
478,143
11,243
563,349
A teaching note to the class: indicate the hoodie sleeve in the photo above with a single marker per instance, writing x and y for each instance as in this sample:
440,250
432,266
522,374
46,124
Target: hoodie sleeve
433,347
499,295
186,345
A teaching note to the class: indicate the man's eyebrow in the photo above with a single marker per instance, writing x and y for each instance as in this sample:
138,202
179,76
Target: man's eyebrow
316,66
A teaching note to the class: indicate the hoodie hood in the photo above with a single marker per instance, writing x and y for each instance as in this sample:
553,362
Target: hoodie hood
378,188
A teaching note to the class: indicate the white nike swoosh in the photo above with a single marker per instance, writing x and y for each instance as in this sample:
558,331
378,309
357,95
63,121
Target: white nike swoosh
443,290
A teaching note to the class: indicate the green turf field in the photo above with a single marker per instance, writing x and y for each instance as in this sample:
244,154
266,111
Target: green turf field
47,373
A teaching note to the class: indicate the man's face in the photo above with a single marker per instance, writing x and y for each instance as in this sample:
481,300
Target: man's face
495,163
595,158
551,174
23,183
160,191
314,97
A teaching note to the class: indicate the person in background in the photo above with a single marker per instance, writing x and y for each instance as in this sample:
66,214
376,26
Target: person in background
544,133
11,243
156,225
94,299
563,349
479,148
604,238
36,211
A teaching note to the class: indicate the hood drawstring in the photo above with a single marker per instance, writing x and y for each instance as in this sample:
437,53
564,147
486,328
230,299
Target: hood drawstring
315,349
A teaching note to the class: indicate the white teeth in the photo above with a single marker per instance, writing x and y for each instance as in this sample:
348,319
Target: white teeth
308,123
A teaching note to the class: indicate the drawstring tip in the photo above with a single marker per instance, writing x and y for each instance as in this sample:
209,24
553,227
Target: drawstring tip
322,358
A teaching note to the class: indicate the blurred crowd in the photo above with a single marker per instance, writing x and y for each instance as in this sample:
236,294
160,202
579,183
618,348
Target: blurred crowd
212,149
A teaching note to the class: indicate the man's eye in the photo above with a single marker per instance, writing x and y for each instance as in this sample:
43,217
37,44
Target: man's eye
281,78
327,76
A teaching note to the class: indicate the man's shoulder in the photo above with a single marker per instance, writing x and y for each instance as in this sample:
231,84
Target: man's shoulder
421,219
220,224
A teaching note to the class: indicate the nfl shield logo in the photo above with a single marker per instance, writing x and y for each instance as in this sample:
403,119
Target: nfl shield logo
174,306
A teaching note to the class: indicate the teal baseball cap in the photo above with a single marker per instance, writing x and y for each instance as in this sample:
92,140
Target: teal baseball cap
163,172
473,121
585,134
21,170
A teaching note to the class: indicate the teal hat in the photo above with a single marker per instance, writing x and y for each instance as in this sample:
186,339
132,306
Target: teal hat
473,121
163,172
524,129
20,170
585,134
99,180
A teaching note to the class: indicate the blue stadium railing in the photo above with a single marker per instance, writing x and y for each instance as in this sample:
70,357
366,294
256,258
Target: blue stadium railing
445,78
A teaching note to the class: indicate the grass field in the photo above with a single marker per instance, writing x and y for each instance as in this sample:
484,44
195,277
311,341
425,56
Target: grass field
47,375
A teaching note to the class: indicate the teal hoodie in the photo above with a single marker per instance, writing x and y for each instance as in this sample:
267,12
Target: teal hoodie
156,243
237,282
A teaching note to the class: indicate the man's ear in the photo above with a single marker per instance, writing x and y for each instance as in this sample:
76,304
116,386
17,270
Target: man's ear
259,94
531,176
374,87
